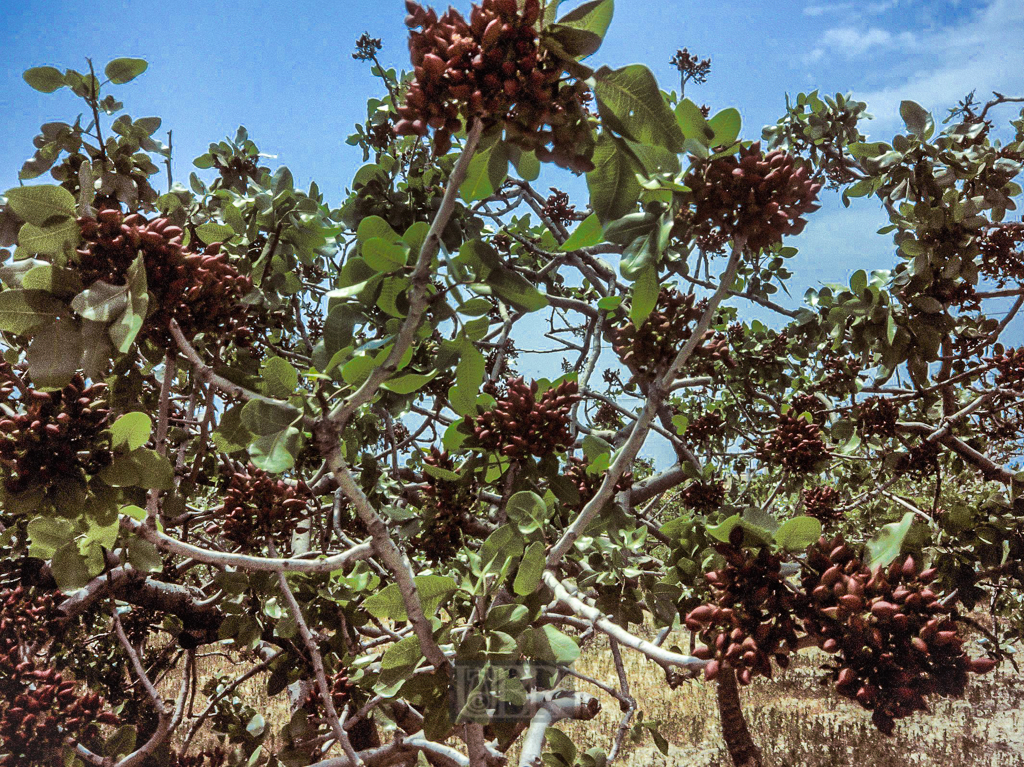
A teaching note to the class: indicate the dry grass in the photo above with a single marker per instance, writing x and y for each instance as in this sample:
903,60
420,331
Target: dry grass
794,720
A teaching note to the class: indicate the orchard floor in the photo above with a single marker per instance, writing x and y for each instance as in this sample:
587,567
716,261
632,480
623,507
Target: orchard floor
796,721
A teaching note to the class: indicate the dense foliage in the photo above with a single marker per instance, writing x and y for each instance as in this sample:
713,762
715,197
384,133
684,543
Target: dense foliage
236,414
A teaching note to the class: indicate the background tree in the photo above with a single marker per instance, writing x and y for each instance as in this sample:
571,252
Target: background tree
234,414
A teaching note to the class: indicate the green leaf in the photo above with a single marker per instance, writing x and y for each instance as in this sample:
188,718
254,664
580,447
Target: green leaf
885,546
24,310
548,644
143,555
38,204
487,169
407,384
52,279
131,429
69,568
400,660
140,468
691,122
121,71
54,354
527,165
530,570
383,256
726,126
593,17
275,452
516,290
631,102
387,604
44,79
47,534
256,725
798,533
231,436
614,189
279,377
587,234
122,742
212,232
645,295
101,301
49,240
262,418
375,226
503,544
917,119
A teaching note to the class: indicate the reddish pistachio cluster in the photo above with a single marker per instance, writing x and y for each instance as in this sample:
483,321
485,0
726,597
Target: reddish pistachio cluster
521,424
752,618
808,403
492,68
795,445
922,460
705,427
445,504
893,640
54,440
1010,365
213,757
587,483
876,417
820,502
200,290
557,208
607,417
703,497
341,688
651,348
259,507
840,373
39,708
759,197
1002,254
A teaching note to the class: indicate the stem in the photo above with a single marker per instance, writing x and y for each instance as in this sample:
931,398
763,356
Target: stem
742,750
94,102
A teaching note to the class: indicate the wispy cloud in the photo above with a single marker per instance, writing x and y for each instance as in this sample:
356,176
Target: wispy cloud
849,9
983,53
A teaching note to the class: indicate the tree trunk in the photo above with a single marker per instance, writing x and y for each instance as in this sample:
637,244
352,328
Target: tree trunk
742,750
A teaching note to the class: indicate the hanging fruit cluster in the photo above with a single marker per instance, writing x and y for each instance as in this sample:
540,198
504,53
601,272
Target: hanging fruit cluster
201,291
921,461
760,197
492,67
705,427
752,617
651,348
703,497
795,445
893,640
1010,365
445,504
587,483
214,757
1002,254
820,502
876,417
521,424
840,375
258,506
55,439
39,708
557,208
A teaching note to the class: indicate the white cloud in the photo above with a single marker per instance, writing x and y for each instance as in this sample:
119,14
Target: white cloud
982,53
823,10
851,42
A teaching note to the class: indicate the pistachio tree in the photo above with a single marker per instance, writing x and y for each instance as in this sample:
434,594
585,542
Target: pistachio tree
237,415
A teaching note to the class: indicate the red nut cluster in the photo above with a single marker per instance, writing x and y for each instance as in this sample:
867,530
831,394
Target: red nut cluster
651,348
259,507
492,67
893,640
760,197
795,445
557,208
587,483
39,708
200,290
1010,365
445,504
820,502
752,617
55,439
921,461
808,403
703,497
521,424
705,427
876,417
839,376
1002,253
214,757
